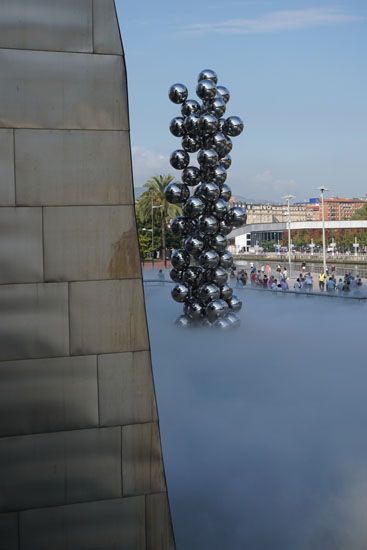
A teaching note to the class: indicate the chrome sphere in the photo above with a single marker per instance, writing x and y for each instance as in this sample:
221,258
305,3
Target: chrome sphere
233,126
217,276
217,106
180,225
208,292
193,310
222,323
208,124
228,146
218,242
178,93
191,125
225,192
191,175
206,89
216,309
179,159
234,303
176,275
221,123
183,322
180,292
226,292
194,245
190,107
177,126
219,175
226,260
219,209
208,225
226,161
190,144
193,276
208,74
208,191
193,207
224,93
207,157
176,193
224,227
209,259
232,319
180,259
237,216
219,143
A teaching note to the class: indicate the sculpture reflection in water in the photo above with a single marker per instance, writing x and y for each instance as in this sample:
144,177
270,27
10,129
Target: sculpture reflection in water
199,268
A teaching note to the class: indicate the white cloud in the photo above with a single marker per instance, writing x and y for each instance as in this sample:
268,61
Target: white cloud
147,163
270,185
275,21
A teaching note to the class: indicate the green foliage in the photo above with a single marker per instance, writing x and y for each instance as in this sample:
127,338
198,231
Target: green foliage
361,214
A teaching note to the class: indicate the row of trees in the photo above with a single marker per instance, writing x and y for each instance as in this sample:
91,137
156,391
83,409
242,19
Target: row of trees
155,221
344,238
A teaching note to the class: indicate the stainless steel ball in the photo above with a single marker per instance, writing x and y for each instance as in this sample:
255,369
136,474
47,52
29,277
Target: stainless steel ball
218,276
178,93
191,175
219,143
209,259
226,292
179,159
191,125
180,292
233,126
179,225
177,127
208,74
183,322
190,144
237,216
193,276
207,157
193,207
208,292
208,124
206,89
222,323
190,107
180,259
225,192
176,275
217,106
234,303
194,245
228,146
208,191
208,225
226,260
219,209
219,175
194,310
216,309
224,227
232,319
218,242
226,161
224,93
176,193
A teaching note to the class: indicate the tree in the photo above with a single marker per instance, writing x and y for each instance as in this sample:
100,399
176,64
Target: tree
154,196
361,213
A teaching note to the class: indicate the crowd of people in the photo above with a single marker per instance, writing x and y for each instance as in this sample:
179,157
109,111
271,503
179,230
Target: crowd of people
327,282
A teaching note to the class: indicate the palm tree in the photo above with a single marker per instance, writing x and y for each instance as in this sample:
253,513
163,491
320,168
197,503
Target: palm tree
154,196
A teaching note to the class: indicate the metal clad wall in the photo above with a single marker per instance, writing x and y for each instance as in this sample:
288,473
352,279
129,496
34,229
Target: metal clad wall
80,456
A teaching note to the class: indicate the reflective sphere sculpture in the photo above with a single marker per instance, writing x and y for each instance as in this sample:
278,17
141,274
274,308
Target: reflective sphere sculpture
179,159
178,93
208,74
180,292
199,266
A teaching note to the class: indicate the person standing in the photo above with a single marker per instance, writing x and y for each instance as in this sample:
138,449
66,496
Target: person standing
322,279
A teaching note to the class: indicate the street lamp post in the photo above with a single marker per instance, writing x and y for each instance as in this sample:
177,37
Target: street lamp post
356,246
322,190
153,207
288,198
312,246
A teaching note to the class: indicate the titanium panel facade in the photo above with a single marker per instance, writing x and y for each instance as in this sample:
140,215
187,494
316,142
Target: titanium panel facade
21,245
45,25
71,167
46,395
57,90
80,454
108,525
126,393
7,186
34,320
90,242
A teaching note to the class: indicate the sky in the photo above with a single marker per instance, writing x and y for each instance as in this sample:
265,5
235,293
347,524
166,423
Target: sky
297,73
